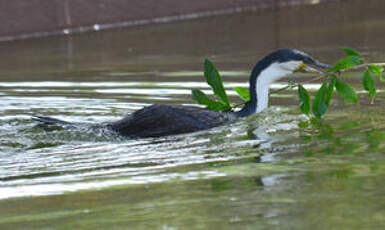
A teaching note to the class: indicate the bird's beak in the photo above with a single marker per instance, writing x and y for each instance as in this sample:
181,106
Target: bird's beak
316,67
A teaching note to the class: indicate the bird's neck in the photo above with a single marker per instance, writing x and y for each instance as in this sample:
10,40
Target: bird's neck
260,81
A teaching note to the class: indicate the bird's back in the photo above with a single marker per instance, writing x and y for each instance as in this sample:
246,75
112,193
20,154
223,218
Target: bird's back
163,120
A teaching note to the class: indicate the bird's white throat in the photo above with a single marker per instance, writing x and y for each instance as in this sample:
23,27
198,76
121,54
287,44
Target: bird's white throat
274,72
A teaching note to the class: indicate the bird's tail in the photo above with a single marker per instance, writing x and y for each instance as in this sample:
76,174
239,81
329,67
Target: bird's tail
50,120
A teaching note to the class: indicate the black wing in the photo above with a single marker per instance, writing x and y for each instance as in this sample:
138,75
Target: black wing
162,120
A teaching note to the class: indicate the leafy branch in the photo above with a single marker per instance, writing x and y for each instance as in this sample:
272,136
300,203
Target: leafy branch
352,61
318,107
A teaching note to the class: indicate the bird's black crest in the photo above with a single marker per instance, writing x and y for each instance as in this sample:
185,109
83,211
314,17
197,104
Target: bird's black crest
285,55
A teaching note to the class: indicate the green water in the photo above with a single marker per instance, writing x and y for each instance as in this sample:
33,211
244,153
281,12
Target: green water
263,172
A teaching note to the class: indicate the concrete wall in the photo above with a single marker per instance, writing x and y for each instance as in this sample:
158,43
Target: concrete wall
32,18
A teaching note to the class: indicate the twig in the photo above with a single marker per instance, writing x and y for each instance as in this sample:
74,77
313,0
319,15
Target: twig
357,67
300,83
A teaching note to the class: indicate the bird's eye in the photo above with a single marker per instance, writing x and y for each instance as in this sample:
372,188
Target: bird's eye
308,60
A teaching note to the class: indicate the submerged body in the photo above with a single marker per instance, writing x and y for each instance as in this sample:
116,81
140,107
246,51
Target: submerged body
163,120
156,121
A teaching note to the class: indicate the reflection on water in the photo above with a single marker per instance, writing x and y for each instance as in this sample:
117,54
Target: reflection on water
269,171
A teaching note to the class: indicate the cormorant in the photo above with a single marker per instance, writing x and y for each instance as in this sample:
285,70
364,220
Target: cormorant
162,120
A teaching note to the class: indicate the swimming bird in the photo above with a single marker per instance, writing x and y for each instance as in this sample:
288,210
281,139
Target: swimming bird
162,120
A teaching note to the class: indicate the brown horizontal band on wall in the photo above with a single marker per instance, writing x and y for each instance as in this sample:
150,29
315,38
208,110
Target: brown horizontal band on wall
29,18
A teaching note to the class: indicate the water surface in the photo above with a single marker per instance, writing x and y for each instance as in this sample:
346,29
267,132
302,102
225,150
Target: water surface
263,172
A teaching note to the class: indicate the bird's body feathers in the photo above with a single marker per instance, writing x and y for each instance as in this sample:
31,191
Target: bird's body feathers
162,120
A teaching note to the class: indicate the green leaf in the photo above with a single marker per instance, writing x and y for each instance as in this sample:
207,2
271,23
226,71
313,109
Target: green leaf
243,93
377,70
215,81
304,98
202,99
346,91
322,98
330,91
369,85
350,51
346,63
319,102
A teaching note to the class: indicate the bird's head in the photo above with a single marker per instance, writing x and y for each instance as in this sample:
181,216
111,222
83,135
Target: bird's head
274,67
289,61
